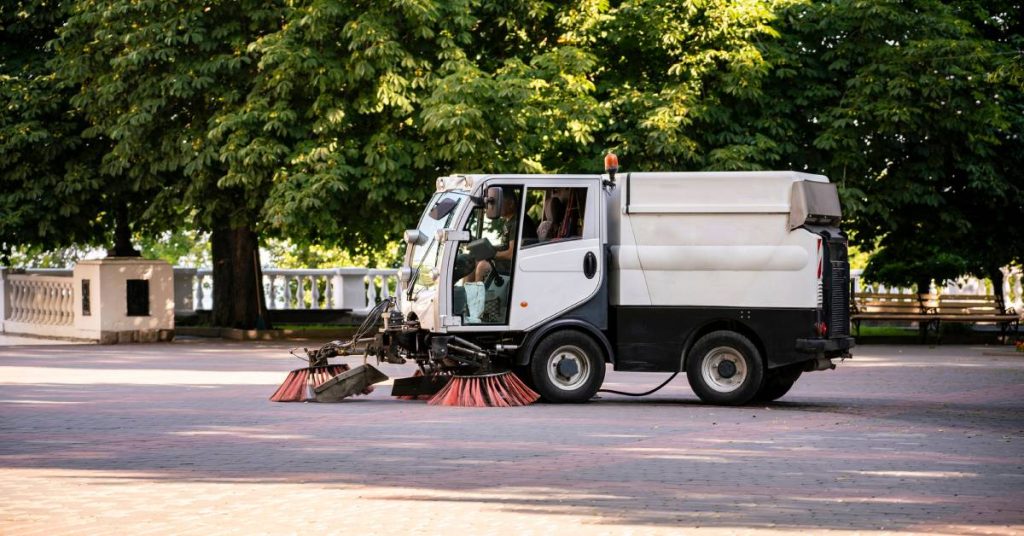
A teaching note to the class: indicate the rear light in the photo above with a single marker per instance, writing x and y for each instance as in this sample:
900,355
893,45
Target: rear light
822,329
819,290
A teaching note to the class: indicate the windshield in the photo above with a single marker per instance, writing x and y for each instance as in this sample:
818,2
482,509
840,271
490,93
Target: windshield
439,213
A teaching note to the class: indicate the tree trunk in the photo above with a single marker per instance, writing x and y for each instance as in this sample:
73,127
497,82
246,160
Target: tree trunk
923,285
122,234
996,275
235,298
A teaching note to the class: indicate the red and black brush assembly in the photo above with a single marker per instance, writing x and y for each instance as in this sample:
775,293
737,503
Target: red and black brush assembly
298,386
500,389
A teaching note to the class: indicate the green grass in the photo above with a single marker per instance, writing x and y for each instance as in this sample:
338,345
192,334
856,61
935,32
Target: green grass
887,331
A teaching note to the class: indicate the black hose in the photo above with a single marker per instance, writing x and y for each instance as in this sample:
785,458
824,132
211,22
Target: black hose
645,393
371,320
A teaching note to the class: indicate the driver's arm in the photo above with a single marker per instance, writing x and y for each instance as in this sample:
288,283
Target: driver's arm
506,254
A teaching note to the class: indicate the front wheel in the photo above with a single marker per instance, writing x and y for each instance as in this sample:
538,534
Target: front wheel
568,367
725,368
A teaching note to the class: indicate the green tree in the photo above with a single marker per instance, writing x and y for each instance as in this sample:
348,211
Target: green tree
914,108
50,193
318,121
155,78
380,98
687,83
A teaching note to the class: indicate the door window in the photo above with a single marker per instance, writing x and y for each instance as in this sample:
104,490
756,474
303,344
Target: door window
481,286
559,212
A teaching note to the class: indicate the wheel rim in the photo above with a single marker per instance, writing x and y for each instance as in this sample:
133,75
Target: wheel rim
568,368
724,369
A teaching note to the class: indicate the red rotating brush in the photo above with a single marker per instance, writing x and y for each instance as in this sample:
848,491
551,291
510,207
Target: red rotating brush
298,385
502,389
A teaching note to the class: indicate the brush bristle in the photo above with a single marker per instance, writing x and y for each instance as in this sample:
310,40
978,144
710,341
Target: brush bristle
298,384
493,390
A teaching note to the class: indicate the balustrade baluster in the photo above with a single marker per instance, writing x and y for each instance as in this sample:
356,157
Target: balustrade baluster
55,299
197,292
300,292
371,291
47,303
37,304
15,301
23,302
314,290
69,305
24,299
40,293
272,295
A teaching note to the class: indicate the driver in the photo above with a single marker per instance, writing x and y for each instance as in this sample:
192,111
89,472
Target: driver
507,236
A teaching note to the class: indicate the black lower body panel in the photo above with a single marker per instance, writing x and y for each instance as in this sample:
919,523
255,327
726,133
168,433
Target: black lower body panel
653,338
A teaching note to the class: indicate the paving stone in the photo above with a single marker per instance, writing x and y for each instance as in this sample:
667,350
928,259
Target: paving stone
180,438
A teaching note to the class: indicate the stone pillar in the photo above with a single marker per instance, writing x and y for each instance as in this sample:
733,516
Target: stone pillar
5,311
124,299
353,288
184,284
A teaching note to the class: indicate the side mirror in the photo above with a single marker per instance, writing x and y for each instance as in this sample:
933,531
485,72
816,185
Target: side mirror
481,249
493,202
443,208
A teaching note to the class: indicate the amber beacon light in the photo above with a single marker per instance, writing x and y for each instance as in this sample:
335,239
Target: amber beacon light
611,165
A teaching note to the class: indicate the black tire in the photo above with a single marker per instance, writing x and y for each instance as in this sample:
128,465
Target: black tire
725,368
778,382
567,367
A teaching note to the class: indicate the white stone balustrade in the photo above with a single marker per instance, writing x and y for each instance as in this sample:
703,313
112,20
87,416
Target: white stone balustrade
49,302
108,300
39,299
1013,287
356,289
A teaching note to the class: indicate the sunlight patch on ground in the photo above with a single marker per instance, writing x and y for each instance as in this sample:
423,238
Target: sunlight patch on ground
38,401
916,474
101,376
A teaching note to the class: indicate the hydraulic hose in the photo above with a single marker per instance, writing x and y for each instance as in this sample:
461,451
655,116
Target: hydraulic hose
645,393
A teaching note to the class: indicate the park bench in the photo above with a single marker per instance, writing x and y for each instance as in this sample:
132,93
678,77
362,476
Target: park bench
930,311
975,309
891,307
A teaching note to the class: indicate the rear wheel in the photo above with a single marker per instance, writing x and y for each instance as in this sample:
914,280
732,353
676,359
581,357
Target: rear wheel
567,366
725,368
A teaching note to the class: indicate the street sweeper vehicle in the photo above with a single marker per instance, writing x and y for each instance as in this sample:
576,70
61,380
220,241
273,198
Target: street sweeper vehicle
519,286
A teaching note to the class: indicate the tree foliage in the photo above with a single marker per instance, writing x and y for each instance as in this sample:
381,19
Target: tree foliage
325,123
370,101
51,191
916,112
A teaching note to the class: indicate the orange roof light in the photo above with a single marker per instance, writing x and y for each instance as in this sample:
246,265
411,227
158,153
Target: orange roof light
611,163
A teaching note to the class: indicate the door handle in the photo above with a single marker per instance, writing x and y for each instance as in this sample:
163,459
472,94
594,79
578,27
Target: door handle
590,265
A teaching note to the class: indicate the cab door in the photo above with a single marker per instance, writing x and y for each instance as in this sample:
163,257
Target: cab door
562,266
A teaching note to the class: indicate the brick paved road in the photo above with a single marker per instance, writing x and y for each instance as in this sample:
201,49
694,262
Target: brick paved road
179,438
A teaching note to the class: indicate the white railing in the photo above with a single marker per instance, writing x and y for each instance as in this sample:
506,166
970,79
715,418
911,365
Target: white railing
36,304
1013,290
43,300
357,289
